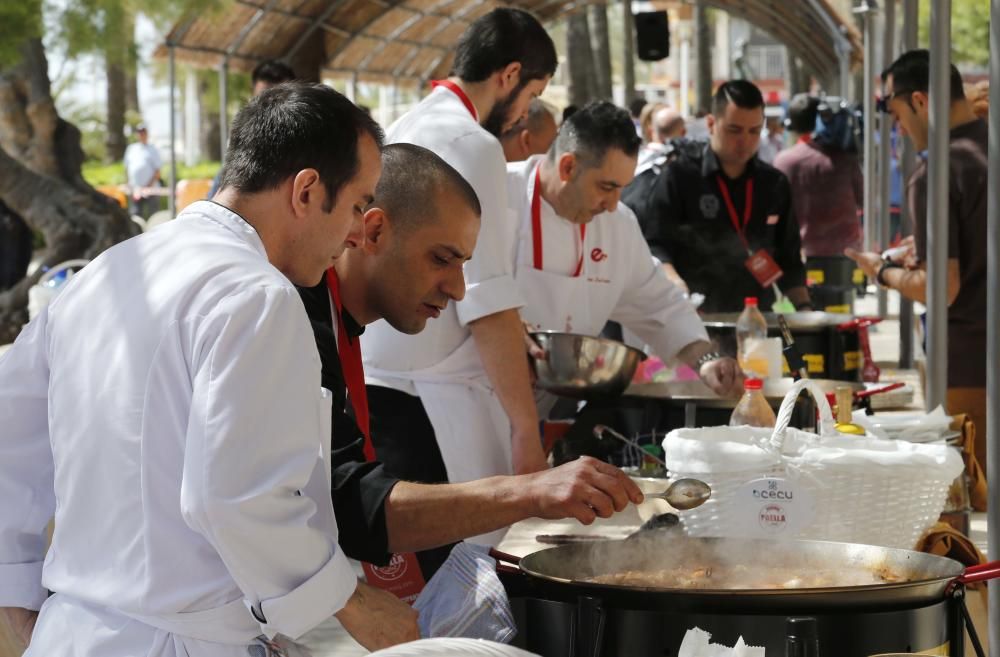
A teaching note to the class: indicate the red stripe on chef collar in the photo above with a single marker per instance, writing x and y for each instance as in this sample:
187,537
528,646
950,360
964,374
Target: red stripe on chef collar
458,91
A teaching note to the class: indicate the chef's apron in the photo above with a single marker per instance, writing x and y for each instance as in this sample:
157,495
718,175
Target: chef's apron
472,430
67,625
556,302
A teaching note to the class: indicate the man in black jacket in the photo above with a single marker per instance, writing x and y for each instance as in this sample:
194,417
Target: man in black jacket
407,260
722,223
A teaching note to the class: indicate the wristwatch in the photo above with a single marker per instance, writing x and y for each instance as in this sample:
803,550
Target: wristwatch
707,358
880,276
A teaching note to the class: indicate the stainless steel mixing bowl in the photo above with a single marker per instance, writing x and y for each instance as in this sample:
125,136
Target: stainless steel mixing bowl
584,367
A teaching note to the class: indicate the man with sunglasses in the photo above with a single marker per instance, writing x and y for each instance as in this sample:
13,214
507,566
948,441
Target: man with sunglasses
906,85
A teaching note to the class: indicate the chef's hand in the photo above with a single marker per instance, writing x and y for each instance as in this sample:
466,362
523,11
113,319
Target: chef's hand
583,489
868,262
20,621
723,376
377,619
535,351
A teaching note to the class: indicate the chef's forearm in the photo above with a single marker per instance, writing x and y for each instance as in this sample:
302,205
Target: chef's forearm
500,342
424,516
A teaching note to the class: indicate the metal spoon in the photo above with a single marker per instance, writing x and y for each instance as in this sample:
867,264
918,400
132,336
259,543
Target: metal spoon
683,494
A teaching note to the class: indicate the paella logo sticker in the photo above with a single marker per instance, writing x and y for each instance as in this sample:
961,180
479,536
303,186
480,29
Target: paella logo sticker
772,506
773,516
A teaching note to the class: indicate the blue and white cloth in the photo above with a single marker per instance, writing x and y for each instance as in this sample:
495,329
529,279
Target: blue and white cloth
465,598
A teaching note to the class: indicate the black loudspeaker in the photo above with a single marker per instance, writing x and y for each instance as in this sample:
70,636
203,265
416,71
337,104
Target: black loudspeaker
652,35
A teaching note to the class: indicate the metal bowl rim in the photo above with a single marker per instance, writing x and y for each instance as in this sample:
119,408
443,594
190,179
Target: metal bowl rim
605,341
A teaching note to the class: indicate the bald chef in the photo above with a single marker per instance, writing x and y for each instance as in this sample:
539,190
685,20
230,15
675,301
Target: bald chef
579,255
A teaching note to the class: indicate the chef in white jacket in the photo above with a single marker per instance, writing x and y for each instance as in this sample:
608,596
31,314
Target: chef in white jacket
166,409
463,383
579,256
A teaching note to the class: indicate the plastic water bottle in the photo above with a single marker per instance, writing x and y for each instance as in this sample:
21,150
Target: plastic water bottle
751,340
753,409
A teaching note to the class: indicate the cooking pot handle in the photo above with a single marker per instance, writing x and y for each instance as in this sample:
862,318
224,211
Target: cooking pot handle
980,573
509,558
826,422
858,323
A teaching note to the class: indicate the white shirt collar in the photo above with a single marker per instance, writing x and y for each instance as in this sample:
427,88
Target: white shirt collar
226,218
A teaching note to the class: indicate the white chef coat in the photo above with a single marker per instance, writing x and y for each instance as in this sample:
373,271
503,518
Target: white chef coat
620,280
442,123
173,389
441,364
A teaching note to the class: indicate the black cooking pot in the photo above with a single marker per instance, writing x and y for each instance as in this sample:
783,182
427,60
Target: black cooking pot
560,613
828,342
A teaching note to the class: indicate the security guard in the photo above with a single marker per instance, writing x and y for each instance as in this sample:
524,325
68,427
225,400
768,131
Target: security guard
719,219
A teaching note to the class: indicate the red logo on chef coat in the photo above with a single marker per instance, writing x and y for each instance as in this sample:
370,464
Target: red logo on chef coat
395,569
598,255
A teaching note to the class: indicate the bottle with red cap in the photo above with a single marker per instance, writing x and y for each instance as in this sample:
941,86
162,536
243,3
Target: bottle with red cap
753,409
751,340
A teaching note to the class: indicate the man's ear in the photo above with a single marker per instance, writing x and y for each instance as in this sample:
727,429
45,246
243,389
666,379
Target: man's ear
524,140
920,100
306,189
376,230
567,166
510,76
710,123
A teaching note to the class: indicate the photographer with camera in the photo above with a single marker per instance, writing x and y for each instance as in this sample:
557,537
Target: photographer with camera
825,175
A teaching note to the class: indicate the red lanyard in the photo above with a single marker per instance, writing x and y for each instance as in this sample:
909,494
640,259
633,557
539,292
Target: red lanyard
536,226
457,90
350,363
747,208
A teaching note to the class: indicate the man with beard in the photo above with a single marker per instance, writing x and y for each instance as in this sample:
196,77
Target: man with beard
463,383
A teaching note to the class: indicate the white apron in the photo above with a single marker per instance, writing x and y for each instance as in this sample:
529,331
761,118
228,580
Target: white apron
556,302
68,626
470,425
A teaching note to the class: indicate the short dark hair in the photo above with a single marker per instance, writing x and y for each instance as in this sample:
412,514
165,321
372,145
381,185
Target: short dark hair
801,114
500,38
272,72
636,105
412,179
742,93
593,130
912,72
296,126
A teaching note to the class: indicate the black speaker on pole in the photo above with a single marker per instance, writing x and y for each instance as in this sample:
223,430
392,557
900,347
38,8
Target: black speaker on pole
652,35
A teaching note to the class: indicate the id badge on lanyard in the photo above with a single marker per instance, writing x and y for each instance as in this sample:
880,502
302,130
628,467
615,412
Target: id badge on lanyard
760,264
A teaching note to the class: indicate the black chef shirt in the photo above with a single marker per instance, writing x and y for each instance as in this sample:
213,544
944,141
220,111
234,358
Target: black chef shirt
359,488
686,223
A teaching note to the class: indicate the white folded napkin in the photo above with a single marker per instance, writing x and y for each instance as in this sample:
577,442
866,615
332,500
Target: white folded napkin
697,643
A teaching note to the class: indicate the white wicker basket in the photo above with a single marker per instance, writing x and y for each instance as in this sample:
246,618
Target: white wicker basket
788,483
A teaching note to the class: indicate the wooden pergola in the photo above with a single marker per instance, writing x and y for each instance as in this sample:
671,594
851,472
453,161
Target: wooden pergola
409,42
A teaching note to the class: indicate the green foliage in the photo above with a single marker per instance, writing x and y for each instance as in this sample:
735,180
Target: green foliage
970,31
97,173
19,20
